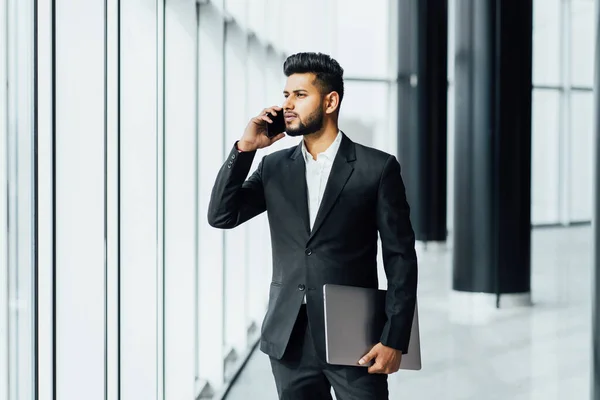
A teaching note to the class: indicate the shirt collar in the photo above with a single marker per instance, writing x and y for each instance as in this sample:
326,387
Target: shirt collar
329,153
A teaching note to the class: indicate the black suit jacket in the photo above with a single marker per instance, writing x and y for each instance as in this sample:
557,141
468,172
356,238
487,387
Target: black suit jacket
364,195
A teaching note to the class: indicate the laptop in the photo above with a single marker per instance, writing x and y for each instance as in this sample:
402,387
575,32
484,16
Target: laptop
354,321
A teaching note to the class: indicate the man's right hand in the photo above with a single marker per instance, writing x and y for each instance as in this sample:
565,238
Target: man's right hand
255,134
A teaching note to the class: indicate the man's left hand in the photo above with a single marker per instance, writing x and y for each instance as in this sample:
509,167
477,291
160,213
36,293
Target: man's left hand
387,359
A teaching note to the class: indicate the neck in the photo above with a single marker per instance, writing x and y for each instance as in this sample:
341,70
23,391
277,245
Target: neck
320,141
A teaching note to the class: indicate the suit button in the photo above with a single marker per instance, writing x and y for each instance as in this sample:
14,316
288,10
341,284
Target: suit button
308,252
301,287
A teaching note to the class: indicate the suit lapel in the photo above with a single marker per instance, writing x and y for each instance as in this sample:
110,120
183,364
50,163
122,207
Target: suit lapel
341,171
295,185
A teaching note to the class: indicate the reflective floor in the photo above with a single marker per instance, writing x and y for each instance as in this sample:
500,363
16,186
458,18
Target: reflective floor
539,352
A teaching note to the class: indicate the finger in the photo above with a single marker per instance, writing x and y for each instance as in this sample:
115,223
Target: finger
272,111
278,137
266,112
366,358
265,118
375,369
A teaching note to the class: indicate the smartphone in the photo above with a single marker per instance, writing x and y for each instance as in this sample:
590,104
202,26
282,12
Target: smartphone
278,125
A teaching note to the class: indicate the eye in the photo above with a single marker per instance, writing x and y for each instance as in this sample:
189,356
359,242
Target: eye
301,95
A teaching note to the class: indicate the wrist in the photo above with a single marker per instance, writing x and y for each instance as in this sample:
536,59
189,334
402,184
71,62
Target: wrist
243,147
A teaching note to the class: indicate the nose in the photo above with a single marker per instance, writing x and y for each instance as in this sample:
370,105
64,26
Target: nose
287,104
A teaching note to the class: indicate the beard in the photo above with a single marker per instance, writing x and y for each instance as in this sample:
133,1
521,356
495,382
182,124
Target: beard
313,124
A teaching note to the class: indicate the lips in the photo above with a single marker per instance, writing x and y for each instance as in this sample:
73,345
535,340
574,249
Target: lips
290,117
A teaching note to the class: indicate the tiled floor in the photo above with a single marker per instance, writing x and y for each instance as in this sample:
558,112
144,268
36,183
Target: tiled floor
540,352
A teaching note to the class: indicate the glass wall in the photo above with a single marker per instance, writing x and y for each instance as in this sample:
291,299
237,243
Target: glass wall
118,287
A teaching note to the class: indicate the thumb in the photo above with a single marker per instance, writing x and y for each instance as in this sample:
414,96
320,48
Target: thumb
368,357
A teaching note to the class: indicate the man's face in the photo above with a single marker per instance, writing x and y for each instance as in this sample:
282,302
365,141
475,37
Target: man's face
303,105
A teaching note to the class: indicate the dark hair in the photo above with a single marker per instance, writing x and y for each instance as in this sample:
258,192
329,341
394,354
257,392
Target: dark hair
329,74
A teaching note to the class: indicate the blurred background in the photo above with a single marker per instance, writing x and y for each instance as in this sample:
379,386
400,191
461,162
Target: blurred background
116,115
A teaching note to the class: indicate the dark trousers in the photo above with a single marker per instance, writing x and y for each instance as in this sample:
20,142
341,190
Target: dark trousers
301,375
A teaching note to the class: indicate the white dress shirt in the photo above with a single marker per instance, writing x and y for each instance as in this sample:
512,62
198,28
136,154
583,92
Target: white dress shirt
317,174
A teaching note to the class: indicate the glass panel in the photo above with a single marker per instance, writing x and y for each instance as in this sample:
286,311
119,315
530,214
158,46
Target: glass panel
298,22
451,38
582,42
364,114
217,3
139,196
4,366
545,157
274,23
20,199
258,17
236,118
582,147
546,42
238,9
211,147
362,38
180,197
450,154
45,173
79,203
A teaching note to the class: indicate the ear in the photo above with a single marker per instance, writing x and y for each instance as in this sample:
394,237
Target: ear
332,102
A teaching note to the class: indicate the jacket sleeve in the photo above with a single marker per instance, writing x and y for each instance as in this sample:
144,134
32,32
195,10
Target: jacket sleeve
234,200
399,256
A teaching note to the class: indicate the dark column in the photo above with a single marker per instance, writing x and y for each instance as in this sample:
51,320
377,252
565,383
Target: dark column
595,395
493,146
422,112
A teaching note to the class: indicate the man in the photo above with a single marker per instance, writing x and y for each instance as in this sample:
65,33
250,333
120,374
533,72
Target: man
326,200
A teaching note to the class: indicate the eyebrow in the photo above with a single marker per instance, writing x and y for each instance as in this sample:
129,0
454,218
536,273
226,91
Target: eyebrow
296,91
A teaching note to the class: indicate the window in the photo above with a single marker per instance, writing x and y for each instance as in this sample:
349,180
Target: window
140,135
563,48
546,42
544,165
